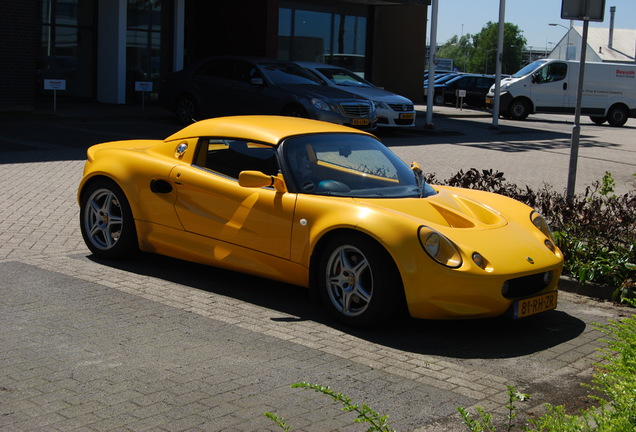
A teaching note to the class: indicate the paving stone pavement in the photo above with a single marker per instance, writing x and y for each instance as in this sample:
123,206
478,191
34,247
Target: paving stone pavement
156,344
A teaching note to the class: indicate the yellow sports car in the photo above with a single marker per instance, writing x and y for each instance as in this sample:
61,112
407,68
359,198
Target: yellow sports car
321,206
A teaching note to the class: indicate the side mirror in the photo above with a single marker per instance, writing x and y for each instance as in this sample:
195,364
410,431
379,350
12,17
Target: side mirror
257,179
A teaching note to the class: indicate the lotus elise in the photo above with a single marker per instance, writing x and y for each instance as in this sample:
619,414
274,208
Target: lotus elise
320,206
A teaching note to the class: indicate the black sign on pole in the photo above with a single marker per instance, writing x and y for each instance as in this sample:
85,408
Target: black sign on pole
583,10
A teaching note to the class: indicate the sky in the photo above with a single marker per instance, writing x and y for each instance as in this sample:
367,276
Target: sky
457,17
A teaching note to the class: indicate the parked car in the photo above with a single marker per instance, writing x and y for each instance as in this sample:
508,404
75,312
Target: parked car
393,110
219,86
321,206
475,86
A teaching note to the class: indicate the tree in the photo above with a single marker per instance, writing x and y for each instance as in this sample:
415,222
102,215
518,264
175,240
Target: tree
484,54
457,49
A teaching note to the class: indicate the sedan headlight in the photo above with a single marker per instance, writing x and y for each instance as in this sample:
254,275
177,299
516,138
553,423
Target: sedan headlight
380,105
321,104
439,247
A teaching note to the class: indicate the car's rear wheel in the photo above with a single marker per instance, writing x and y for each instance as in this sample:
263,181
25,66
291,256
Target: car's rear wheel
187,110
598,120
106,220
359,282
617,116
519,109
438,99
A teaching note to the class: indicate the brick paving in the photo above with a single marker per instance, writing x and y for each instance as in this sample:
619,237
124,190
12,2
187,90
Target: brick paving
163,345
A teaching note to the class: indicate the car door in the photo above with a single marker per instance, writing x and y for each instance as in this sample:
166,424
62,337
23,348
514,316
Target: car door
549,87
211,203
252,93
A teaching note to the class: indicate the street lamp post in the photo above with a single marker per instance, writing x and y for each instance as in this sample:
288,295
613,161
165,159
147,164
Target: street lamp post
567,42
488,55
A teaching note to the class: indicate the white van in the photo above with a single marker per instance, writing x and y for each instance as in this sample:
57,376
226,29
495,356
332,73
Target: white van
550,86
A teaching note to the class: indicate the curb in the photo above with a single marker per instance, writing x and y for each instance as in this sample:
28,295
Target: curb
597,291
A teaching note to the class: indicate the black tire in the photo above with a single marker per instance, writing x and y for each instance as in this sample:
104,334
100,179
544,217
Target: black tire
617,116
359,282
106,221
187,110
438,99
295,111
519,109
598,120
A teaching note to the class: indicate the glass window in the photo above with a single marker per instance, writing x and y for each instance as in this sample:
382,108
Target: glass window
315,32
143,45
67,50
231,156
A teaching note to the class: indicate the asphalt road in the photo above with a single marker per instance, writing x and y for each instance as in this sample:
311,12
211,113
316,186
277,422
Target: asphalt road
164,345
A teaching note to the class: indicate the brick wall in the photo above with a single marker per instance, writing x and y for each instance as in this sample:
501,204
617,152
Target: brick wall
20,27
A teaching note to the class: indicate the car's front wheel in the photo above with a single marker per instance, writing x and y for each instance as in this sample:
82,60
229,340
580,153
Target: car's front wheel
106,220
359,282
519,109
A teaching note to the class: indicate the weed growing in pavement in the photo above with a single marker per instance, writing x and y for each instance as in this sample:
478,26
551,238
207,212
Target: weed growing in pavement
595,230
376,421
615,380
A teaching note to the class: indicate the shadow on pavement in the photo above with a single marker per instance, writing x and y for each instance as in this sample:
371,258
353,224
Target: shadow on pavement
495,338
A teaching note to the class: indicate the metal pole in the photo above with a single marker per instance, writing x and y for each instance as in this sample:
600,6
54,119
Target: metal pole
431,66
576,129
500,37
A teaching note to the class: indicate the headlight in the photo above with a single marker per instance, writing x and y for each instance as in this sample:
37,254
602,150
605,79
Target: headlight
320,104
542,225
439,247
380,105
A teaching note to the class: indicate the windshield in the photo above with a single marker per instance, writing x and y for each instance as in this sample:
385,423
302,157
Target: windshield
343,77
529,68
350,165
284,73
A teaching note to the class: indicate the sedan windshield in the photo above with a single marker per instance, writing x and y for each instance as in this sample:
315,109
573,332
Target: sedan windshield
342,77
283,73
351,165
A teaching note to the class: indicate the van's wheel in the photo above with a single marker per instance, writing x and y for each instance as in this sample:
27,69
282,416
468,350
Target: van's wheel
617,116
187,110
438,99
598,120
106,220
519,109
358,281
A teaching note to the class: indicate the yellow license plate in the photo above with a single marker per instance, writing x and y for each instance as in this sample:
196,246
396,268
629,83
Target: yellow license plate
535,305
407,116
360,122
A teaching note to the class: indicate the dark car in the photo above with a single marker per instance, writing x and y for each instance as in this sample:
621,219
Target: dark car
475,86
220,86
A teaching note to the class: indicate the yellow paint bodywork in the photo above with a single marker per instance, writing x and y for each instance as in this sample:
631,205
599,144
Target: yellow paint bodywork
269,232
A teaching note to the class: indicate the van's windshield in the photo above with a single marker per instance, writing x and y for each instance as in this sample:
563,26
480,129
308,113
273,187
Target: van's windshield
529,68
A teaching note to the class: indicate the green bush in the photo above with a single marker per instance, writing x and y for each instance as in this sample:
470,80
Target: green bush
596,231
